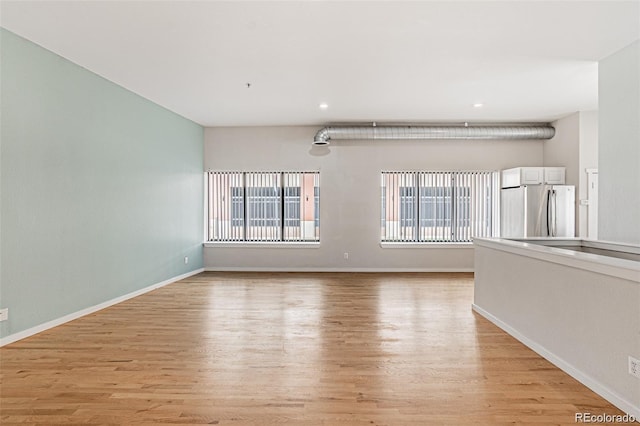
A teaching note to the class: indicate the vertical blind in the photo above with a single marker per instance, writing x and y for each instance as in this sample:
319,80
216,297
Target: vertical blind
439,206
263,206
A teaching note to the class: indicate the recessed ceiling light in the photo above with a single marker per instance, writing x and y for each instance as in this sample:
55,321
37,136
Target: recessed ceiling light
478,105
323,105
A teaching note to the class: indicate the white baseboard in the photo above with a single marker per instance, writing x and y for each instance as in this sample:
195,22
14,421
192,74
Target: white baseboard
323,269
75,315
565,366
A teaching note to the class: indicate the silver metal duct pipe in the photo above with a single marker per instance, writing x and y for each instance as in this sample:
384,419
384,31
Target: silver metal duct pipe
326,134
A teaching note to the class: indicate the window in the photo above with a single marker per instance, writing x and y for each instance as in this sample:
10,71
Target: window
263,206
439,206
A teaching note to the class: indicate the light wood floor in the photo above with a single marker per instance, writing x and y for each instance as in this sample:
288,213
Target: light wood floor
294,349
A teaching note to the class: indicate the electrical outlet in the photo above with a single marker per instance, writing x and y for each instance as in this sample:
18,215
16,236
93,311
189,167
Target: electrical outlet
346,256
634,367
4,314
186,260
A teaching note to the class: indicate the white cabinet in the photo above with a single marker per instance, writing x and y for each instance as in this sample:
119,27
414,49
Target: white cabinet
522,176
554,175
519,176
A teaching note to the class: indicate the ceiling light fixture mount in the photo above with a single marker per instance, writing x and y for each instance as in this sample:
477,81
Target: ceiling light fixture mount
478,105
323,105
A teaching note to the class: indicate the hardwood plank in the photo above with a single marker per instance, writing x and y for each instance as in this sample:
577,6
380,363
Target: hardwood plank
288,348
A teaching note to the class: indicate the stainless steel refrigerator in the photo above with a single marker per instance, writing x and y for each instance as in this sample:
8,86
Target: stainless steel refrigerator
537,211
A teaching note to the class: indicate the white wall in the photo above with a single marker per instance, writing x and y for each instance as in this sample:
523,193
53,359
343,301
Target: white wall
619,146
350,193
588,160
575,146
585,322
562,149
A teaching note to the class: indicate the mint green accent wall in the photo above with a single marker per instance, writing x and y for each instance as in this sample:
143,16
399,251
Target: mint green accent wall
102,190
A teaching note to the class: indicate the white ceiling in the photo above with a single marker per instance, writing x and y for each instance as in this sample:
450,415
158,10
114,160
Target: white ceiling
420,61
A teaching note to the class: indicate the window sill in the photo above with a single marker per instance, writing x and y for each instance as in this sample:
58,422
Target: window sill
262,244
426,245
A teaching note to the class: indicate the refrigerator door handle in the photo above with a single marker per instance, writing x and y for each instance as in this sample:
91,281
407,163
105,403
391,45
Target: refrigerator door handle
552,208
549,213
553,212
